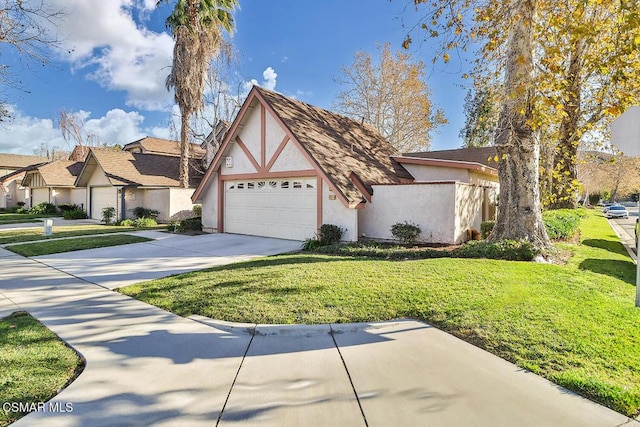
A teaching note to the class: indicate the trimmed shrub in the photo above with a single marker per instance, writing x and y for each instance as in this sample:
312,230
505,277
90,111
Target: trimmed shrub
69,207
510,250
44,208
406,232
190,224
108,214
311,245
141,212
20,204
127,223
197,210
485,228
330,234
145,222
382,250
74,214
562,224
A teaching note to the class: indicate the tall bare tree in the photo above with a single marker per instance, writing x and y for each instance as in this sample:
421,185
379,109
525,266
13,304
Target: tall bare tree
197,27
391,95
25,30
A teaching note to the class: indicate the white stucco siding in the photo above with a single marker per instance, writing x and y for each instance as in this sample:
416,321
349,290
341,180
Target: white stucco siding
209,200
483,179
334,212
241,163
180,205
469,206
425,173
60,196
156,199
78,196
251,132
274,136
290,159
430,206
39,195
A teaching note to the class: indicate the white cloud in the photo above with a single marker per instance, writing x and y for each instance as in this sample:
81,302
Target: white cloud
103,38
269,75
23,134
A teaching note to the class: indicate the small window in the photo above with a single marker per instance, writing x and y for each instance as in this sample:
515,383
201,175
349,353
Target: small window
310,185
273,184
240,185
297,184
261,184
284,184
231,187
250,185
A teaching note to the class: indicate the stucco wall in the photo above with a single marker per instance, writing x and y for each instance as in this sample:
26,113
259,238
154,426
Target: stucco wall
156,199
425,173
209,200
290,159
78,196
180,205
274,135
429,205
334,212
469,205
60,196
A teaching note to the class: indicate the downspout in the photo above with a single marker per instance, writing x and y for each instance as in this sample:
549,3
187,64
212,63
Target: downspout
122,204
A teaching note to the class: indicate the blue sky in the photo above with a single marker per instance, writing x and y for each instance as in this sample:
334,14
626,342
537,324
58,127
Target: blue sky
114,56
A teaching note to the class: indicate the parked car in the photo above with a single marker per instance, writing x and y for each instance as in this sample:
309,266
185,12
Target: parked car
607,206
617,212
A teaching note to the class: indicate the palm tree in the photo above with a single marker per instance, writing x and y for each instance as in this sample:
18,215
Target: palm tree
197,27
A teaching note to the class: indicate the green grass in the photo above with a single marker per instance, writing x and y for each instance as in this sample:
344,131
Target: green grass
35,234
574,324
22,218
35,363
76,244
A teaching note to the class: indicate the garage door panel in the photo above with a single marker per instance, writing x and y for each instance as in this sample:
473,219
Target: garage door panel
272,208
102,197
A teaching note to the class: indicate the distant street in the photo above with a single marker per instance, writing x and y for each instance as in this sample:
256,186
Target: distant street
627,225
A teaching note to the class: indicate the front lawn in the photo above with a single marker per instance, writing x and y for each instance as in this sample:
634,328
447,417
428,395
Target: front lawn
37,233
23,218
574,324
35,363
75,244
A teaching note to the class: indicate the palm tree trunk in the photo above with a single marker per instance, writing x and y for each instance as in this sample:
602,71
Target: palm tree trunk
184,151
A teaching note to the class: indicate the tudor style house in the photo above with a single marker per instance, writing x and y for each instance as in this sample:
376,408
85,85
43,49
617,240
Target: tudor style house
286,167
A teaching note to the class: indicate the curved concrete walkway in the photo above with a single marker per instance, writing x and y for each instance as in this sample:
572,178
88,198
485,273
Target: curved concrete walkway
146,366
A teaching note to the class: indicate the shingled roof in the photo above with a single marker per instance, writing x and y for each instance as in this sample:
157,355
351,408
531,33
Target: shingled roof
123,168
61,173
483,155
164,147
18,161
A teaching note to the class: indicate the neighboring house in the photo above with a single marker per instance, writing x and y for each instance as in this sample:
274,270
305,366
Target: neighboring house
163,147
54,182
286,167
125,180
12,162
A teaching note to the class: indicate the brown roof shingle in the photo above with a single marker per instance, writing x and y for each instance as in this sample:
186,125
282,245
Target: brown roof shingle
18,161
61,173
125,168
340,146
166,147
483,155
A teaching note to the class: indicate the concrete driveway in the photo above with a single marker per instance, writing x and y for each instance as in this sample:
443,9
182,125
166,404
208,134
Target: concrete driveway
169,254
146,366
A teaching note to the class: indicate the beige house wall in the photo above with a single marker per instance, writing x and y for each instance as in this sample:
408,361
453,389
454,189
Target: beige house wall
426,173
180,205
334,212
156,199
431,206
209,200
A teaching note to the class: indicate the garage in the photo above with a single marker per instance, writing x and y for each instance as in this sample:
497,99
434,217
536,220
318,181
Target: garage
39,195
284,208
102,197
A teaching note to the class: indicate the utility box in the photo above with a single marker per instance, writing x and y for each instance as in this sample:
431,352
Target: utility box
48,227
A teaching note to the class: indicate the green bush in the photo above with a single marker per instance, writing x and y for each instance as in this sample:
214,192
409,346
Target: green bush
108,214
44,208
330,234
311,245
127,223
510,250
562,224
145,222
197,210
74,214
406,232
141,212
69,207
485,228
382,250
190,224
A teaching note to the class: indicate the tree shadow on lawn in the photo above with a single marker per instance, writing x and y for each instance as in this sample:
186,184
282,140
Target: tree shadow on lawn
623,270
608,245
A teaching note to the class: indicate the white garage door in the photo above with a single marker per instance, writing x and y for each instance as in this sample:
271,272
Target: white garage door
39,195
282,208
101,197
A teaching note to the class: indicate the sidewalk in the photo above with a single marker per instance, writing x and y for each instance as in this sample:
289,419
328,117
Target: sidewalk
146,366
